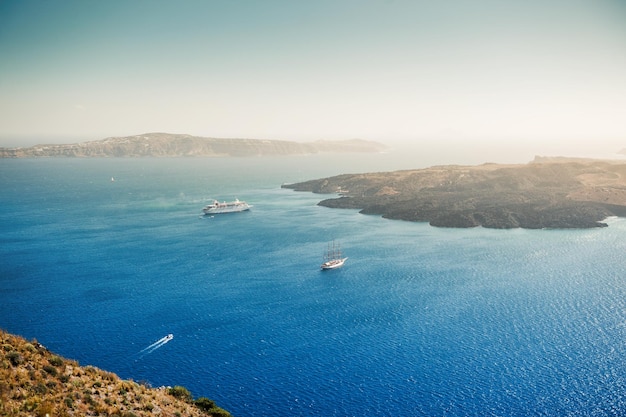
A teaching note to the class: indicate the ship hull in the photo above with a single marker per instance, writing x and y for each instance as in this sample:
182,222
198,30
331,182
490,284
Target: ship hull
225,210
333,264
220,208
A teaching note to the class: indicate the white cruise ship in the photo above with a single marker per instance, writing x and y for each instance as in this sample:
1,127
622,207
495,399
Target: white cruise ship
226,207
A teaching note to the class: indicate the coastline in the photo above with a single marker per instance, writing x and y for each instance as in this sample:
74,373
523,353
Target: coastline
548,193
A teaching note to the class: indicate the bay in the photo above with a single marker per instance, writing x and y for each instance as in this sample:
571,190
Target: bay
420,321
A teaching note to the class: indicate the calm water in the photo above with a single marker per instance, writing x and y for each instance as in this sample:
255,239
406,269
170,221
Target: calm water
420,322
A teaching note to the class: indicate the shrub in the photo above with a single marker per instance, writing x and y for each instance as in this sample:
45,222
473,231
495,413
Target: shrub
69,402
50,369
204,404
209,407
15,358
180,393
55,360
88,399
40,388
220,412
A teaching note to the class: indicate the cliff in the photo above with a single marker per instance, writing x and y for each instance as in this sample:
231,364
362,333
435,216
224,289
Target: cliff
546,193
175,145
36,382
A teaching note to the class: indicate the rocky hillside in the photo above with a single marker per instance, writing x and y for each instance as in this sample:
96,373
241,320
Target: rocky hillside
36,382
174,145
547,193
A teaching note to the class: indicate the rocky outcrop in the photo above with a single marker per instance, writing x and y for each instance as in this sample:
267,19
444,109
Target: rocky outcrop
36,382
543,194
175,145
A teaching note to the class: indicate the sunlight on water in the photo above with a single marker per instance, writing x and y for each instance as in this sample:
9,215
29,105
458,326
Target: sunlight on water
420,320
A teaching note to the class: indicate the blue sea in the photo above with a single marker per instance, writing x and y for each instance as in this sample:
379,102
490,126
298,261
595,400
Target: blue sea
420,321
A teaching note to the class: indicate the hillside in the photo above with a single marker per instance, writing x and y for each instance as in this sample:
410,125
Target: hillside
176,145
547,193
36,382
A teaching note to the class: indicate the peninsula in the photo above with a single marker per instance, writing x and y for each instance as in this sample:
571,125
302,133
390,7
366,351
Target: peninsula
545,193
177,145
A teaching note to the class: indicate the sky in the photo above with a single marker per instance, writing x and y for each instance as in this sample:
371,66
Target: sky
492,71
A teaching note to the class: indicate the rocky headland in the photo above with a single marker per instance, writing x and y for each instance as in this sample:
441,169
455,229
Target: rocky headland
177,145
545,193
36,382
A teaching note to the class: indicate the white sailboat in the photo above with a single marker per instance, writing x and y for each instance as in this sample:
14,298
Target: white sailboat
333,257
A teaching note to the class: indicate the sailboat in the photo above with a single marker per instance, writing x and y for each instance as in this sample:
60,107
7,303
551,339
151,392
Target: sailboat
332,258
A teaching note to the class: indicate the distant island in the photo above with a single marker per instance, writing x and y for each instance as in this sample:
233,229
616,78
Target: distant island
554,193
177,145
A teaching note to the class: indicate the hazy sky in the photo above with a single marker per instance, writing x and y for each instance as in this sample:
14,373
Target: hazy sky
525,70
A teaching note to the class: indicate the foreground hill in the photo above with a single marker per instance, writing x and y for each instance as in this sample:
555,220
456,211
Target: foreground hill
547,193
35,382
167,144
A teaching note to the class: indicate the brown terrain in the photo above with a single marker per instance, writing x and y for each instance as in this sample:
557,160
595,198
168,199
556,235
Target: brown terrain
546,193
36,382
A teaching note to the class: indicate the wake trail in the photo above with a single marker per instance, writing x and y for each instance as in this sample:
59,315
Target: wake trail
157,346
162,340
149,349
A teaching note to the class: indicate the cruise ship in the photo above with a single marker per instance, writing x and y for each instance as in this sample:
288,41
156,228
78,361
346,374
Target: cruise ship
226,207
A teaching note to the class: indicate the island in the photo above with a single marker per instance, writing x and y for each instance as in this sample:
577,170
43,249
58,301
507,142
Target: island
177,145
556,193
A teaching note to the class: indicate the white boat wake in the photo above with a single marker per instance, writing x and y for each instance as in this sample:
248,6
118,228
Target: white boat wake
149,349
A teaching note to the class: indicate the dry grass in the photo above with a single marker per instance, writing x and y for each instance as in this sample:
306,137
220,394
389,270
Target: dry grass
36,382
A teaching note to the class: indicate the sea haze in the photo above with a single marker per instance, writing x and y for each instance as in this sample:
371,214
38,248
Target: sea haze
102,258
